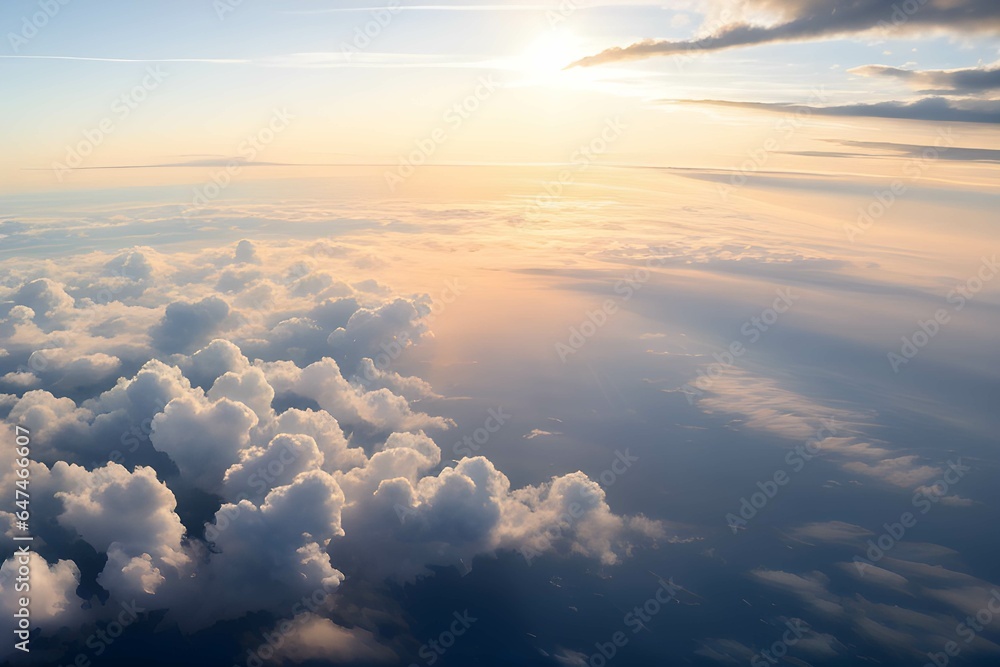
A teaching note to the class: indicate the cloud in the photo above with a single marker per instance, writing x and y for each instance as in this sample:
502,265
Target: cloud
927,108
798,20
837,532
249,474
921,151
47,300
767,406
313,637
378,411
445,519
54,602
941,597
246,253
72,370
386,330
111,505
902,471
203,437
538,433
185,325
811,588
263,557
129,516
966,81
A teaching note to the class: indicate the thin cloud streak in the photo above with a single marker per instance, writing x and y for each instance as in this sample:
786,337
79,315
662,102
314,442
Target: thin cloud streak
928,109
803,20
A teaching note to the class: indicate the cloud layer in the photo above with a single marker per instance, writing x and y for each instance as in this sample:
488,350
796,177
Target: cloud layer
290,472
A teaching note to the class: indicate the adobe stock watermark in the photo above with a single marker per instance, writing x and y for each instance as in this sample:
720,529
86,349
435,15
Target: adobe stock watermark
928,329
121,109
264,477
752,330
366,34
635,620
691,51
130,440
266,650
247,151
33,24
453,119
796,460
757,158
797,629
225,7
467,447
255,315
968,630
432,650
394,348
38,362
561,13
101,640
622,464
902,12
581,160
924,498
626,288
883,200
470,444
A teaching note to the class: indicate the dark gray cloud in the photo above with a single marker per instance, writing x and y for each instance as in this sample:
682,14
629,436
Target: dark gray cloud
969,80
813,19
927,108
909,150
185,325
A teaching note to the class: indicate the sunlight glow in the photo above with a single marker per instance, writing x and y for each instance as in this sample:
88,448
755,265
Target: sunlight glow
548,55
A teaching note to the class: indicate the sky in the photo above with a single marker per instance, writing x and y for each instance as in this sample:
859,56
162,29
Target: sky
224,68
559,334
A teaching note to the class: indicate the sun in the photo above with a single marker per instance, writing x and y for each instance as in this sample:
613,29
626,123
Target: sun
550,53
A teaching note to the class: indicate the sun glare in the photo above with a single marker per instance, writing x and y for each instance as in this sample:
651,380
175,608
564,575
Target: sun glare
548,55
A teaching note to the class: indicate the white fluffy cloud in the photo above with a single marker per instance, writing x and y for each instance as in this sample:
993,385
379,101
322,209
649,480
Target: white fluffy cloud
292,458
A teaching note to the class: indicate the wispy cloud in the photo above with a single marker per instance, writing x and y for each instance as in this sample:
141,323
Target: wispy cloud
927,108
799,20
311,60
968,80
219,61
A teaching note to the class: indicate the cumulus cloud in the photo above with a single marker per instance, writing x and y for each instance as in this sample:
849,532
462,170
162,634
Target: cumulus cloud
111,505
185,325
277,547
247,475
448,518
72,370
378,410
246,253
203,437
386,330
133,265
47,303
773,21
54,602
